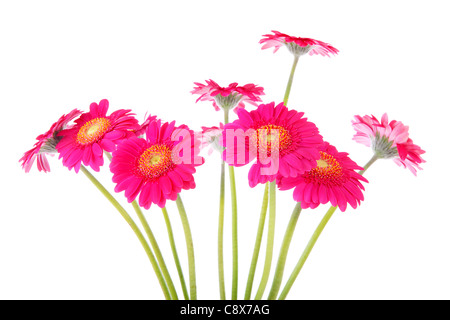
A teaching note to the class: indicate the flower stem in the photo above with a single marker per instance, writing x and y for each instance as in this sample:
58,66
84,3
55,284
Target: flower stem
156,249
291,79
133,226
368,164
278,276
220,232
270,240
306,252
234,232
190,248
175,253
262,220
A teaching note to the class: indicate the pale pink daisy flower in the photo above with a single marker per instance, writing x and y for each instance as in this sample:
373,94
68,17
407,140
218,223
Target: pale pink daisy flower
388,140
158,167
231,97
93,133
297,45
210,137
281,140
333,180
46,144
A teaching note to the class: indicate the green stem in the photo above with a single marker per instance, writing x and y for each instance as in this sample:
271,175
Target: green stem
190,248
368,164
175,253
278,276
262,220
220,232
270,240
306,252
291,78
234,233
154,243
133,226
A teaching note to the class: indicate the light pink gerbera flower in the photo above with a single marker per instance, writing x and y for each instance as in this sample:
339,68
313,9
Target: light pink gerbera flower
297,45
389,140
281,140
210,137
93,133
230,97
46,144
332,180
158,167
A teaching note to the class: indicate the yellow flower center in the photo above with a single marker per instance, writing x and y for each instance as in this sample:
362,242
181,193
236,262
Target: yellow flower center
155,161
270,138
93,130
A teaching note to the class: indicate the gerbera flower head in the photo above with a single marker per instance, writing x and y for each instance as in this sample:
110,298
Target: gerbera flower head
93,133
333,180
158,166
143,127
231,97
282,141
388,140
296,45
211,137
46,144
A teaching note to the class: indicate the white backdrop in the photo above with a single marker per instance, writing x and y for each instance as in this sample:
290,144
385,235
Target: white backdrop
60,239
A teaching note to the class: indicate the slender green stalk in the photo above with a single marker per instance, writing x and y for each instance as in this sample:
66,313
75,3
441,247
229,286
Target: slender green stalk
259,233
133,226
270,240
190,248
368,164
175,253
306,252
278,276
291,79
154,243
234,232
220,232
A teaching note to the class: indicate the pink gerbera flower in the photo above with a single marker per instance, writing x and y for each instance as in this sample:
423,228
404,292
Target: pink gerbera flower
281,140
389,140
332,180
230,97
46,144
211,137
158,167
93,133
297,45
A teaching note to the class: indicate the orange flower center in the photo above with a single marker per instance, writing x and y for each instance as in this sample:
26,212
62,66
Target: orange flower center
155,161
270,138
93,130
328,170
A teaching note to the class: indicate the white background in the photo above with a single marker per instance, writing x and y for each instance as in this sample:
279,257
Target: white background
60,239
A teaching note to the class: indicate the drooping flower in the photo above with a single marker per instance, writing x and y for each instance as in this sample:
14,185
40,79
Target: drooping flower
93,133
211,137
230,97
46,144
333,180
158,167
389,140
296,45
281,140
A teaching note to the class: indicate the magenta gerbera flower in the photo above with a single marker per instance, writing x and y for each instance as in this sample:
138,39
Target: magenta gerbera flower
46,144
389,140
333,180
281,140
158,167
93,133
297,45
233,96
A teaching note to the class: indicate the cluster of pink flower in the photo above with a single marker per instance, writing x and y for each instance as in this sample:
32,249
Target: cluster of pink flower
154,161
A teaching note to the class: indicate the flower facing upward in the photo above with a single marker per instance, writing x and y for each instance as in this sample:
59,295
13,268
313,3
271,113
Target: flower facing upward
158,167
297,45
333,180
389,140
230,97
46,144
281,140
93,133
